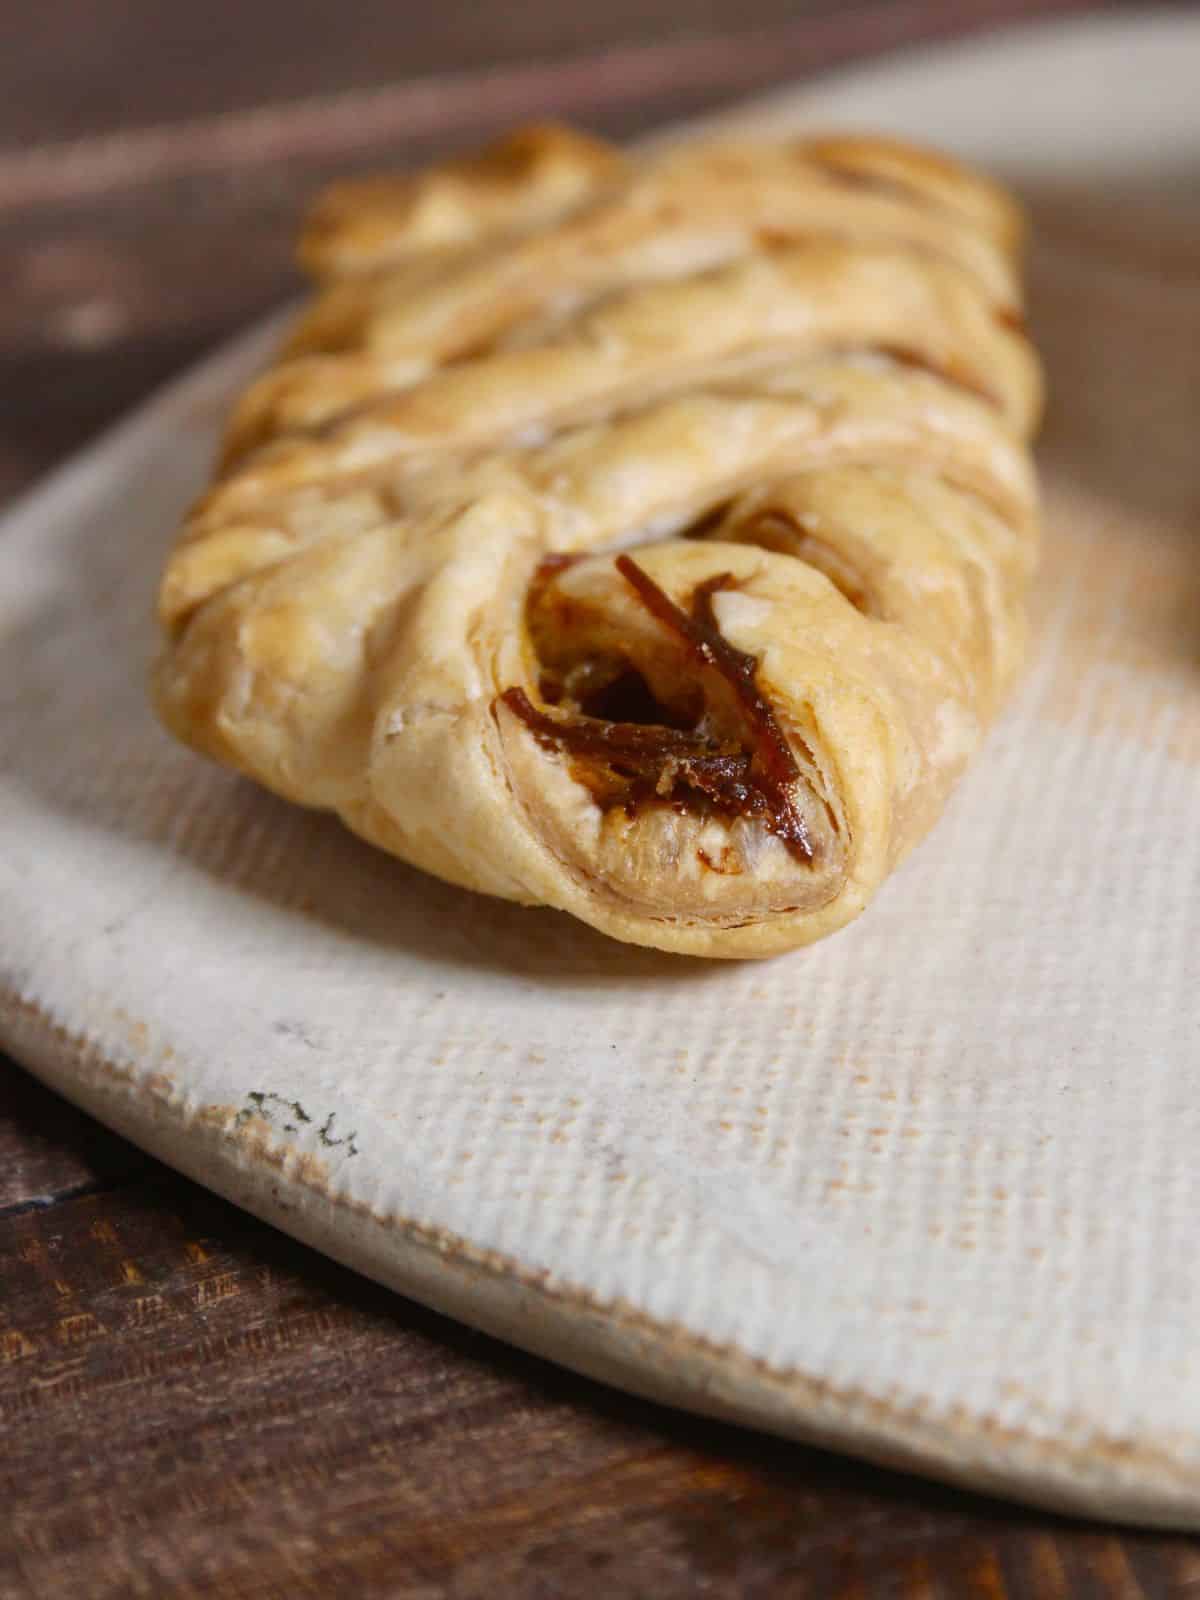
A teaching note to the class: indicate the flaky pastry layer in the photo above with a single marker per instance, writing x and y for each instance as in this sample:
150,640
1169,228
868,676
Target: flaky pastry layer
646,536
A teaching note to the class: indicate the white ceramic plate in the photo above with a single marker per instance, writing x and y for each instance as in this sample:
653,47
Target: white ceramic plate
929,1192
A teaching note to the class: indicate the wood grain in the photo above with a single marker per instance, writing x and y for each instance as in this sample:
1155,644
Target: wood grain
191,1404
171,1368
49,1151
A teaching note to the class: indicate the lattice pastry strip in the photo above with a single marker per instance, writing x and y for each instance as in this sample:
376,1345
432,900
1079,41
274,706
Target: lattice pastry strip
646,538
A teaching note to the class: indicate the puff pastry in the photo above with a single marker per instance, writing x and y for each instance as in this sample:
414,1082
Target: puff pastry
646,537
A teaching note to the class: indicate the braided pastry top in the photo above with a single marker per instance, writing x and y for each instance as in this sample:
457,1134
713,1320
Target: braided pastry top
644,537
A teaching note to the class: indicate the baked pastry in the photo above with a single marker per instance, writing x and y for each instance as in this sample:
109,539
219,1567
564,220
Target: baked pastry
646,537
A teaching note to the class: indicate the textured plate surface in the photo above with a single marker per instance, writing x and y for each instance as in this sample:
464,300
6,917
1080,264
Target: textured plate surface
928,1192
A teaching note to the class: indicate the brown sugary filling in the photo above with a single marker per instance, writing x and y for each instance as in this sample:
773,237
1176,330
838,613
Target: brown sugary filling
633,749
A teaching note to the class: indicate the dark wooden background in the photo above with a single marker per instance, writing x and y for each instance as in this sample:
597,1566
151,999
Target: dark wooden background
190,1404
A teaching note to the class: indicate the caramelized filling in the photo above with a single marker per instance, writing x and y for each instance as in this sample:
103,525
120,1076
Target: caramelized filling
855,178
633,750
949,372
851,177
1013,319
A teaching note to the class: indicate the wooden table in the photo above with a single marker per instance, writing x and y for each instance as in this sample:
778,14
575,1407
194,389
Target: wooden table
190,1404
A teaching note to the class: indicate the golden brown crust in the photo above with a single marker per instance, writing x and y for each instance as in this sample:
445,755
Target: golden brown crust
928,175
794,376
368,224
